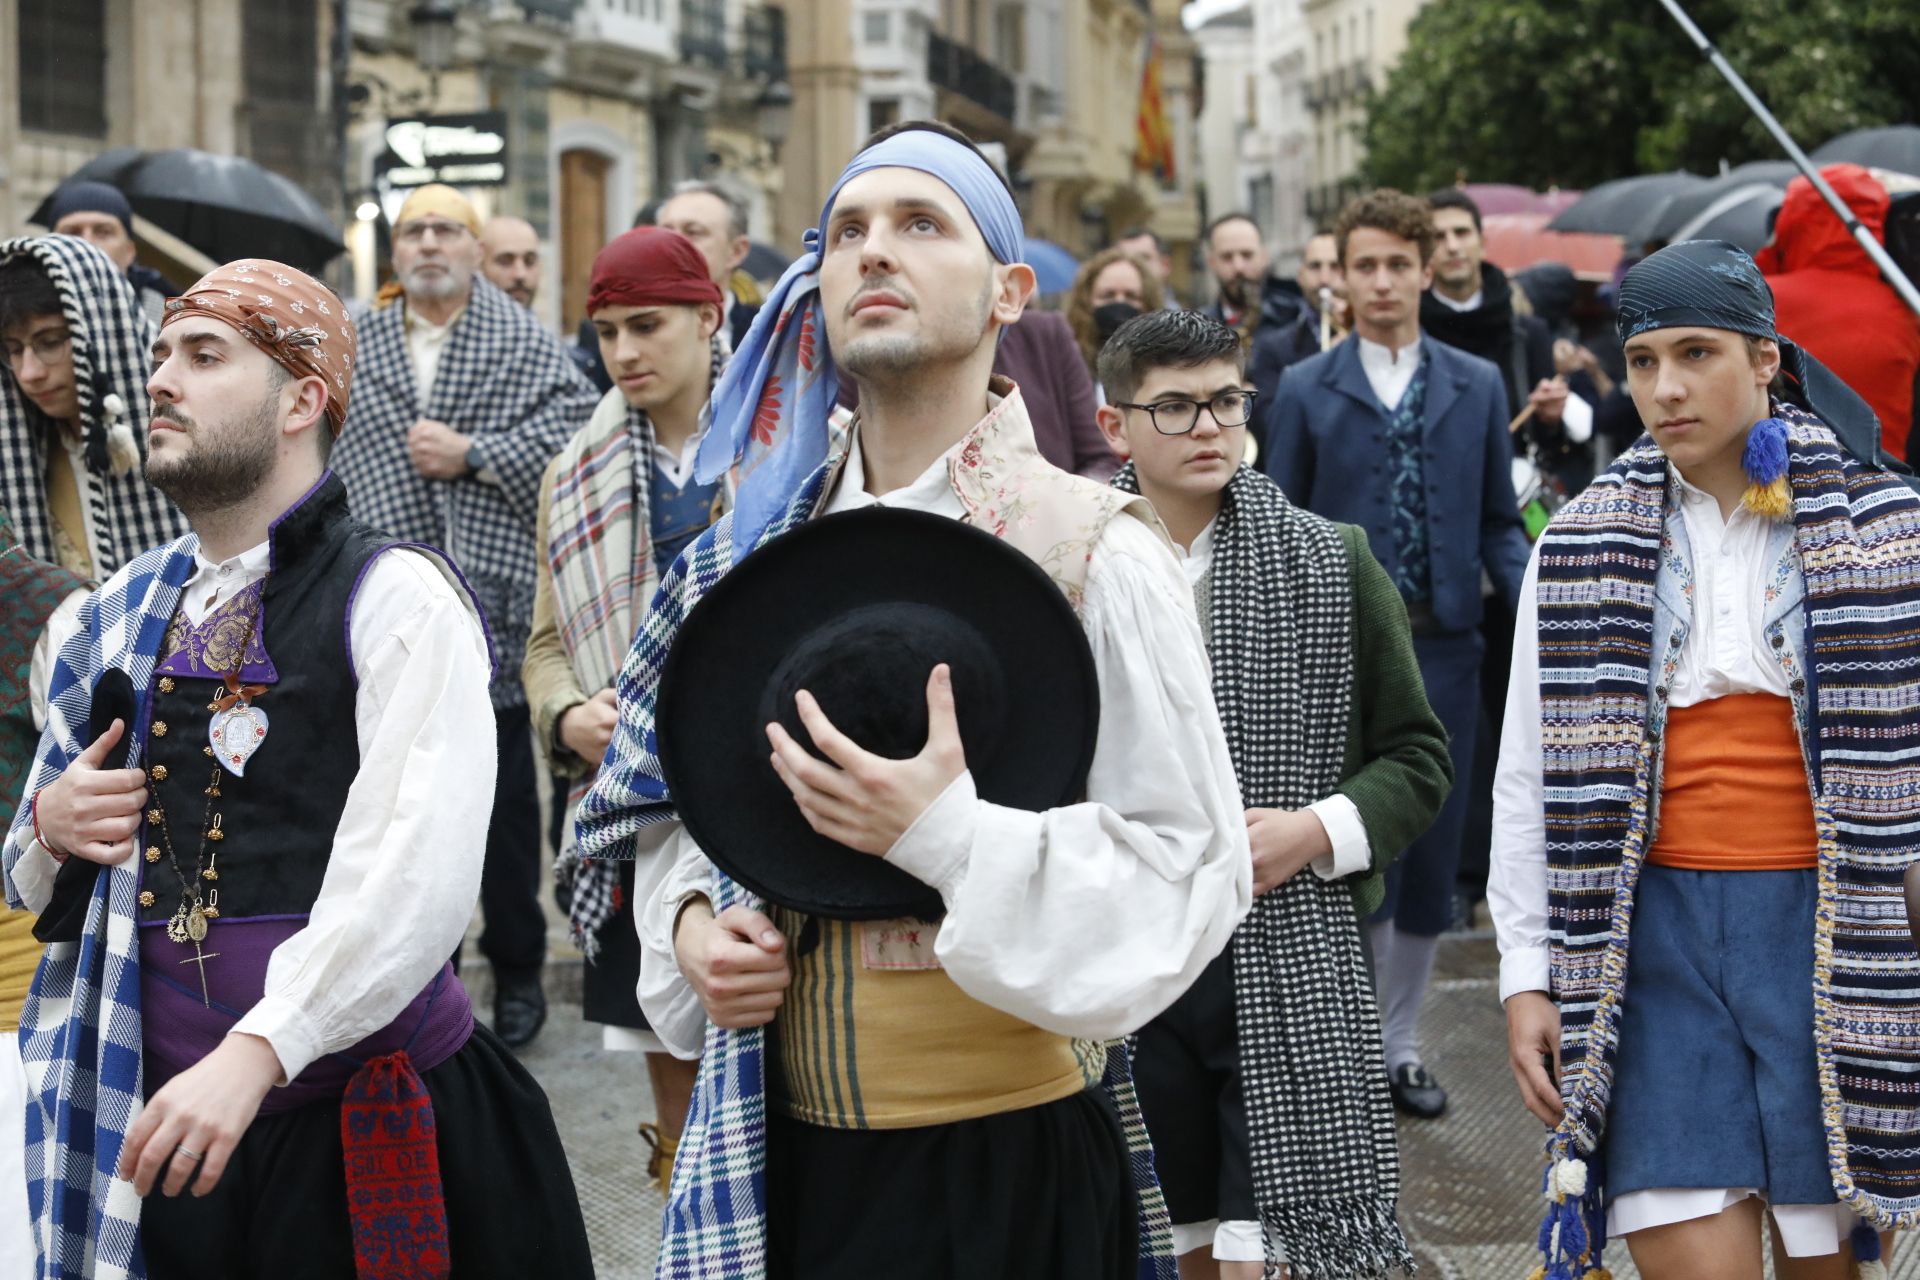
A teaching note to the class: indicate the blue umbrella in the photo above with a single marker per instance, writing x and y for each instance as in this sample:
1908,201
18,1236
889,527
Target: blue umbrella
1054,266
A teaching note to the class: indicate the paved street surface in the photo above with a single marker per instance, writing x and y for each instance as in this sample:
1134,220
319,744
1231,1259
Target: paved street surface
1468,1205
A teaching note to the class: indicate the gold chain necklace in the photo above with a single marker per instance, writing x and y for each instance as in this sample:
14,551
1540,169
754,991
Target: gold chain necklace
199,905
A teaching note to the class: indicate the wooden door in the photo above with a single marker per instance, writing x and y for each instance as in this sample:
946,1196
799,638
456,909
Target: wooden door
583,229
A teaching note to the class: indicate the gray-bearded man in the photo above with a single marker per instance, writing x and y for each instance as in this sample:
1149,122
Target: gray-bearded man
460,401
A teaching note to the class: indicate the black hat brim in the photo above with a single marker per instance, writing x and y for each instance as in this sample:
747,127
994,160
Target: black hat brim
723,675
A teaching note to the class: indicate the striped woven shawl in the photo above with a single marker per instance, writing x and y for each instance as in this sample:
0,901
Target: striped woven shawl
1857,532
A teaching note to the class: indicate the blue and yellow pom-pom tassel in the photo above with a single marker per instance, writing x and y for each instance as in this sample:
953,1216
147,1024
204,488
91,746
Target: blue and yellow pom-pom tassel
1868,1264
1573,1236
1765,462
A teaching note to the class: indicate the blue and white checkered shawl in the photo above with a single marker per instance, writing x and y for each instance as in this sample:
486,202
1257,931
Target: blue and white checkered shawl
80,1029
508,383
716,1227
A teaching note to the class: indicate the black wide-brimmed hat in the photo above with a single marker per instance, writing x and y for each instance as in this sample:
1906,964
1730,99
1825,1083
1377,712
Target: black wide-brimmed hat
857,609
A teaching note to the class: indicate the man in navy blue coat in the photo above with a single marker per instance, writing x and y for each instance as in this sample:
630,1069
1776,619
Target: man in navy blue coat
1407,438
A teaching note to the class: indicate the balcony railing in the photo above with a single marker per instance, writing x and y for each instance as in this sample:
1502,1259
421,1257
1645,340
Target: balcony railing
765,37
703,33
958,69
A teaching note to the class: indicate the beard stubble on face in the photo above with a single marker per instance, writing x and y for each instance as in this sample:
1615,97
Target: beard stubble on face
883,358
450,282
1240,291
223,465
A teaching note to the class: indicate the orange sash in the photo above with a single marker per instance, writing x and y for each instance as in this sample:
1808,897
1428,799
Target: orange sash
1734,793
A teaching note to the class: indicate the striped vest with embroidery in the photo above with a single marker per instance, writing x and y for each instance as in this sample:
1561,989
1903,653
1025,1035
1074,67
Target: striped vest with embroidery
1857,532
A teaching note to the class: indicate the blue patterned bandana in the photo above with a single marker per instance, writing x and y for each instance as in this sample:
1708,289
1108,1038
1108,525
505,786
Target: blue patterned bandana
1708,284
1715,285
770,410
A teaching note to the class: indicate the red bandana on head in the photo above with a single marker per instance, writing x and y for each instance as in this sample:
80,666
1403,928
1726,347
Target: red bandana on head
651,267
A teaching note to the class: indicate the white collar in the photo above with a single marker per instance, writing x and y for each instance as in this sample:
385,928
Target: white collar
1378,355
1471,304
932,490
420,326
253,562
1202,543
1692,495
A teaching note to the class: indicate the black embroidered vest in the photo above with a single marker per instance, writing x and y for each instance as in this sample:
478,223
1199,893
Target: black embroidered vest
278,820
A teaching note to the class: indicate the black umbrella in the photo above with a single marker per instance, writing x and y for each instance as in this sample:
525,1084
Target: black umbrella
227,207
764,262
1664,220
1895,147
1616,208
1743,216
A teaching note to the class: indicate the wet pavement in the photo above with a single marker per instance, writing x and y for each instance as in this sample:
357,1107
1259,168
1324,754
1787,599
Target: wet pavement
1468,1204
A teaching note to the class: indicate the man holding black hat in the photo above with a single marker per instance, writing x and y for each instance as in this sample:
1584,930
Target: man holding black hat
100,215
945,1096
253,832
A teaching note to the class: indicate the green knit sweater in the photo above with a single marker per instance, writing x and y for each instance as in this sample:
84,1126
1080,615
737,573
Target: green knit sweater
1397,771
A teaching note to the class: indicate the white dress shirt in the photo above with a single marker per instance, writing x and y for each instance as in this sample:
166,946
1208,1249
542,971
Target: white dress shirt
1346,829
426,343
412,838
678,467
1725,652
1088,919
1389,372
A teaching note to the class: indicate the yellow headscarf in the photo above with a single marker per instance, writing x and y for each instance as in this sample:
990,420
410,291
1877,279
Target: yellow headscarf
436,198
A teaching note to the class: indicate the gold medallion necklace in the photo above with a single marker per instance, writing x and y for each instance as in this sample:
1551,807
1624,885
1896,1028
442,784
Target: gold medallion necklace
199,904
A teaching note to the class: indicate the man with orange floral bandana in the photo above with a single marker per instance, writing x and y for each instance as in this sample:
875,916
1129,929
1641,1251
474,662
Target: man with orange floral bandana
300,758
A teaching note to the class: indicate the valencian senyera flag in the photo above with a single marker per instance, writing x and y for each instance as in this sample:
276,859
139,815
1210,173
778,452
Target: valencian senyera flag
1153,134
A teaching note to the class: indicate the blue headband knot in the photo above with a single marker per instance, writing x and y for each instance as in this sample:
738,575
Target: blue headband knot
771,409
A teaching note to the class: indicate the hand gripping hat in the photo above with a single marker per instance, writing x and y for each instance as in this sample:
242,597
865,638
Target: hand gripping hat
857,609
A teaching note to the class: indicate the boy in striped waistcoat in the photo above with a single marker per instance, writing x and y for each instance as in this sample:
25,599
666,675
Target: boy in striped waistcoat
1703,811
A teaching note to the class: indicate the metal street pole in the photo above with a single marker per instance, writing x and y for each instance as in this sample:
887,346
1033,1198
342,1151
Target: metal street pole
1874,249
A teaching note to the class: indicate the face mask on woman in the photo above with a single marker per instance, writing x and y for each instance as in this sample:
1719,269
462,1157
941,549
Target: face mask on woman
1108,318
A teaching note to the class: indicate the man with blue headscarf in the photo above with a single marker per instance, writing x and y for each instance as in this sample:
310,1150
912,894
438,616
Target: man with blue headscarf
1000,1138
1704,808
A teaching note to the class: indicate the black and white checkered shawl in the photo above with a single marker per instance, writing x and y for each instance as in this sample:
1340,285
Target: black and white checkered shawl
508,383
1326,1171
112,353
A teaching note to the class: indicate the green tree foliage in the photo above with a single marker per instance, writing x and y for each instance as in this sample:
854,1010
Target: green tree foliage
1573,92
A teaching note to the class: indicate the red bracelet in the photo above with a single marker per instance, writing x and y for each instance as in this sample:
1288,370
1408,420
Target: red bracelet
33,811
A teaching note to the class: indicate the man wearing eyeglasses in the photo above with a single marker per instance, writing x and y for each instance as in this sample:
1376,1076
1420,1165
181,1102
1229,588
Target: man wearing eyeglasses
1276,1046
460,400
1407,438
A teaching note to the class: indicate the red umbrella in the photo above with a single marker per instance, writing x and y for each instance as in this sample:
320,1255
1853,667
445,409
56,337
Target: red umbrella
1505,197
1516,241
